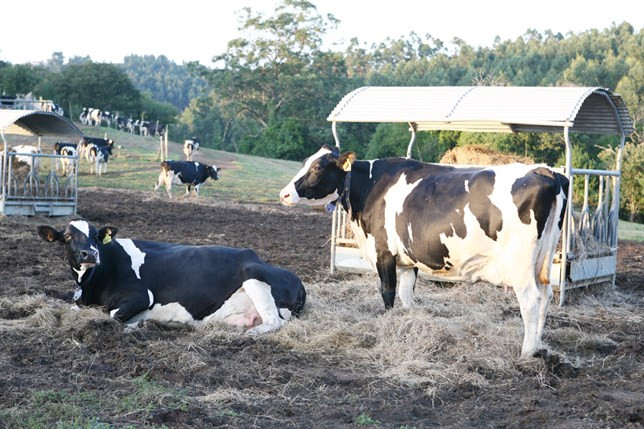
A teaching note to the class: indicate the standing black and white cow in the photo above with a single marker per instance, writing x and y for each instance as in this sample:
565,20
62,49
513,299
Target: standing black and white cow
174,283
94,117
191,148
187,173
66,163
83,146
498,224
98,157
65,149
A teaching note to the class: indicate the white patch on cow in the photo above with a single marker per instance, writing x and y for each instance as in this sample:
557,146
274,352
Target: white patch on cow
366,244
394,201
80,273
167,314
113,312
238,310
81,225
406,288
78,294
150,297
411,237
371,167
136,256
467,186
260,293
290,197
285,313
196,165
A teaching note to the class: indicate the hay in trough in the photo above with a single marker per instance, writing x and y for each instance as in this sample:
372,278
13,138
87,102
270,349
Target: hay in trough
481,155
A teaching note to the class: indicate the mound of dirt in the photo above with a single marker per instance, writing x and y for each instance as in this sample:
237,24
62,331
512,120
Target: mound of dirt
481,155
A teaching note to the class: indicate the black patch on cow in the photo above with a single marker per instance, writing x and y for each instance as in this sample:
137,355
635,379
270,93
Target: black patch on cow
440,200
535,192
563,180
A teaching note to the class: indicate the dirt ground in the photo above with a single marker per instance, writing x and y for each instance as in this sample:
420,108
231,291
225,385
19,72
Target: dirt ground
80,369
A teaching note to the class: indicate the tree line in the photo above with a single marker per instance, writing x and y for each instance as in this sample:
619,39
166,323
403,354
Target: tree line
269,93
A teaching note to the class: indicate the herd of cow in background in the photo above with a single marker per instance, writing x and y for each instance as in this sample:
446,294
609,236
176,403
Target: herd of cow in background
97,117
96,152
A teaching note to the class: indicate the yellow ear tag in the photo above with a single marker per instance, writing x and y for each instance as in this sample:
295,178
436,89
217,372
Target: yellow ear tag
107,239
347,165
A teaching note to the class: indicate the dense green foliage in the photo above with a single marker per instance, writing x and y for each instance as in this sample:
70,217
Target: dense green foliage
270,92
163,79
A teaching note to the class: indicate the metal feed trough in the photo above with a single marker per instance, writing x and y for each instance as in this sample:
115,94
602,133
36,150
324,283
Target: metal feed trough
24,190
588,252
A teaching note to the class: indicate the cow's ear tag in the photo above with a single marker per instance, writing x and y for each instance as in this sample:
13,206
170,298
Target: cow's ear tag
347,165
108,237
330,207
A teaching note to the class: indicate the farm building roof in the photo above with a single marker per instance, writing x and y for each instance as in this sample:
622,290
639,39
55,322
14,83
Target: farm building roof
489,109
35,122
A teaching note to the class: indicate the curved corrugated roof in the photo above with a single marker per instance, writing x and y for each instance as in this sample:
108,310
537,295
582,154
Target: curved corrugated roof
489,109
35,122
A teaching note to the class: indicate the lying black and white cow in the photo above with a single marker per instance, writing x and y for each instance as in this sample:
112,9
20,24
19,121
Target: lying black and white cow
191,148
187,173
498,224
174,283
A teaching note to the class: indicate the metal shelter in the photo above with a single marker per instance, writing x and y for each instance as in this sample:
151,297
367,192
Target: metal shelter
26,188
588,110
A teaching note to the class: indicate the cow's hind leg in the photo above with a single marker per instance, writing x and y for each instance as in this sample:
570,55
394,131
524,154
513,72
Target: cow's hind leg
386,265
530,299
546,297
406,288
260,293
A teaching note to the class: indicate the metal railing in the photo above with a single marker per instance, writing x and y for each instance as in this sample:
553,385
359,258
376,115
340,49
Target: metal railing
35,186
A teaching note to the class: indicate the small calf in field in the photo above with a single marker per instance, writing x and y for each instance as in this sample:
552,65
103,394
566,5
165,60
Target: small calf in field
191,174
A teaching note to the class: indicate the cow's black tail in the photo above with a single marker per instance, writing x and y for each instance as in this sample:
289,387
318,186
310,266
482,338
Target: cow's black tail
299,303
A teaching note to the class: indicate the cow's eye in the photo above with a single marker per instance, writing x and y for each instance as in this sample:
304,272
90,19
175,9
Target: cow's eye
68,237
317,168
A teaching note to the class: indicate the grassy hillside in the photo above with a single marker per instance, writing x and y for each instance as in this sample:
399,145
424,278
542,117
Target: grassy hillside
135,166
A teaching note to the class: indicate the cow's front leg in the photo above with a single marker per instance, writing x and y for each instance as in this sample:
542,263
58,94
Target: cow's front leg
125,309
386,265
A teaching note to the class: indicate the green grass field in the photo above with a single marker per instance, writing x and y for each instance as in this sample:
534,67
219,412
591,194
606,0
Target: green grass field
135,166
630,231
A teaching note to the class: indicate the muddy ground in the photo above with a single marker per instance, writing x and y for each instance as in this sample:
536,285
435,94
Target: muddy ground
80,369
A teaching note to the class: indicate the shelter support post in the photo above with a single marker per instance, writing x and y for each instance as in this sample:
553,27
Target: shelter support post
410,146
567,227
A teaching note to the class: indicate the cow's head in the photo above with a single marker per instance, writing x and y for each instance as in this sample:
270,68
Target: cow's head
81,241
319,179
212,171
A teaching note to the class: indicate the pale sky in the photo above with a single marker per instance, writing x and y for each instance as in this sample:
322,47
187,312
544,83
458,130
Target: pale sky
107,31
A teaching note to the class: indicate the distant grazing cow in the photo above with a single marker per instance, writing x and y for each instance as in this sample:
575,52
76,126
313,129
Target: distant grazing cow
187,173
176,284
98,156
94,116
144,128
497,224
84,116
58,147
106,119
190,148
121,123
68,163
87,141
32,161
